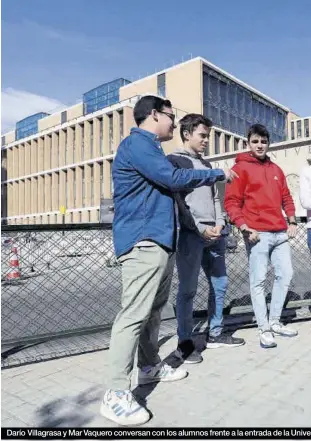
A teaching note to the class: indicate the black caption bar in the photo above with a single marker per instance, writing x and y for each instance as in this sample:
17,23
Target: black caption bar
149,433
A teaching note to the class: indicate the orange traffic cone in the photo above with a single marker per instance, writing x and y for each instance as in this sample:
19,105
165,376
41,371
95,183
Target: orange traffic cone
14,272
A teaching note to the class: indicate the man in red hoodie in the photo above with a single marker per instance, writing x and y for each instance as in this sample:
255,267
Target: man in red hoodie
254,203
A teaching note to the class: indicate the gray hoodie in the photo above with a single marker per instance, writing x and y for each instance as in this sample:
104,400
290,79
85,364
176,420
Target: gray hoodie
201,206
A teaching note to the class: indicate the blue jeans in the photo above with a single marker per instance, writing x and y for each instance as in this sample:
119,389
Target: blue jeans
192,253
309,238
273,247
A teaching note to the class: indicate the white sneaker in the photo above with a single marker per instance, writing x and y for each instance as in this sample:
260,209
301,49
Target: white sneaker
266,339
122,408
284,331
161,372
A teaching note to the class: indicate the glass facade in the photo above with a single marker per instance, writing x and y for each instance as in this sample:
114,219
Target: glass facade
28,126
103,96
234,108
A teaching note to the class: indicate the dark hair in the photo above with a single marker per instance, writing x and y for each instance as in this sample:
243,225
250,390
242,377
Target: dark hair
192,121
258,129
146,104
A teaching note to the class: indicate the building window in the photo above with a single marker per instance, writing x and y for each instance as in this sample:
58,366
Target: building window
66,189
223,93
161,84
241,126
217,143
50,147
92,185
111,181
73,144
292,128
66,146
244,145
83,187
91,138
51,192
236,144
307,129
299,131
63,117
121,125
74,187
57,190
102,179
240,101
224,120
227,143
111,133
82,141
2,141
233,124
101,136
214,89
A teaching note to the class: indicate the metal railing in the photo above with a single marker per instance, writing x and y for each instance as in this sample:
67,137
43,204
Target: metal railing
68,281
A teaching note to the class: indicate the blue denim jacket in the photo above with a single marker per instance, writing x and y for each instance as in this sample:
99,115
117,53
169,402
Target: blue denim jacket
144,180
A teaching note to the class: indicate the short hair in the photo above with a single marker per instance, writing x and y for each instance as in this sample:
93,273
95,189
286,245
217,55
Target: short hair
258,129
191,121
146,104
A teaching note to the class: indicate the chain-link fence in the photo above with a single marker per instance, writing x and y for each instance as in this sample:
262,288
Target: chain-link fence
59,280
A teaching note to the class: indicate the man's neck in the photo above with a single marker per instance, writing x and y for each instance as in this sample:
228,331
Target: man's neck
149,128
190,150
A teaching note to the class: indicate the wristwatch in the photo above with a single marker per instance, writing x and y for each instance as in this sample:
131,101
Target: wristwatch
293,223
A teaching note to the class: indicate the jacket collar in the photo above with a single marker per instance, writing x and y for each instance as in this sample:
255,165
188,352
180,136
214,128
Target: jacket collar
143,132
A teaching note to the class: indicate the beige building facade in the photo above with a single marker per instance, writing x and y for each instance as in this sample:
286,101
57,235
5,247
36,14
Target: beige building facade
66,162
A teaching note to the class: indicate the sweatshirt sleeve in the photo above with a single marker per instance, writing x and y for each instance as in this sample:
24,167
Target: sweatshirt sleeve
287,200
305,188
154,165
218,207
234,198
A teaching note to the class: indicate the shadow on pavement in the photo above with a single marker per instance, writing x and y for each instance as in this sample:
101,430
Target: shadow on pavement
71,411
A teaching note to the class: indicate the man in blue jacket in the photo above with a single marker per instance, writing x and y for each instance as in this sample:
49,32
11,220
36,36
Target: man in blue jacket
144,232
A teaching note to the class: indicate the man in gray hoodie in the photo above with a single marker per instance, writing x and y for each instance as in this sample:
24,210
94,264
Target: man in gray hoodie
201,243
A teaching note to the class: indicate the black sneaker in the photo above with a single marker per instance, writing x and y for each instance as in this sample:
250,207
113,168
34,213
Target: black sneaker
223,340
188,353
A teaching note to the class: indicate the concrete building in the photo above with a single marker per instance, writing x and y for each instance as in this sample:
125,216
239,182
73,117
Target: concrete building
63,160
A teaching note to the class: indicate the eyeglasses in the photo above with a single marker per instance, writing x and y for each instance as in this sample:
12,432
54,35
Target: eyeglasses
170,115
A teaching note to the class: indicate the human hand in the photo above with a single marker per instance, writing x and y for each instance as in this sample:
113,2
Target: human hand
230,175
252,235
210,233
292,231
218,229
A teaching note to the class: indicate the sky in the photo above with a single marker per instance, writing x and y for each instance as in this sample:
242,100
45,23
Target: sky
55,50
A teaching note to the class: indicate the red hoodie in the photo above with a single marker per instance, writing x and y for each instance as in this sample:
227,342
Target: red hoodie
257,197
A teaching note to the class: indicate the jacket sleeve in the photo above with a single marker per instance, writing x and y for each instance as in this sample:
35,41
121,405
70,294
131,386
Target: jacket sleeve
220,220
234,198
154,165
287,200
305,188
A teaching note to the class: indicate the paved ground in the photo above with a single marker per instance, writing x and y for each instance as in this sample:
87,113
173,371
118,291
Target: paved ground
246,386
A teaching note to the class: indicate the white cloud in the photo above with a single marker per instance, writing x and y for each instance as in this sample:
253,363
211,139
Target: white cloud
18,104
